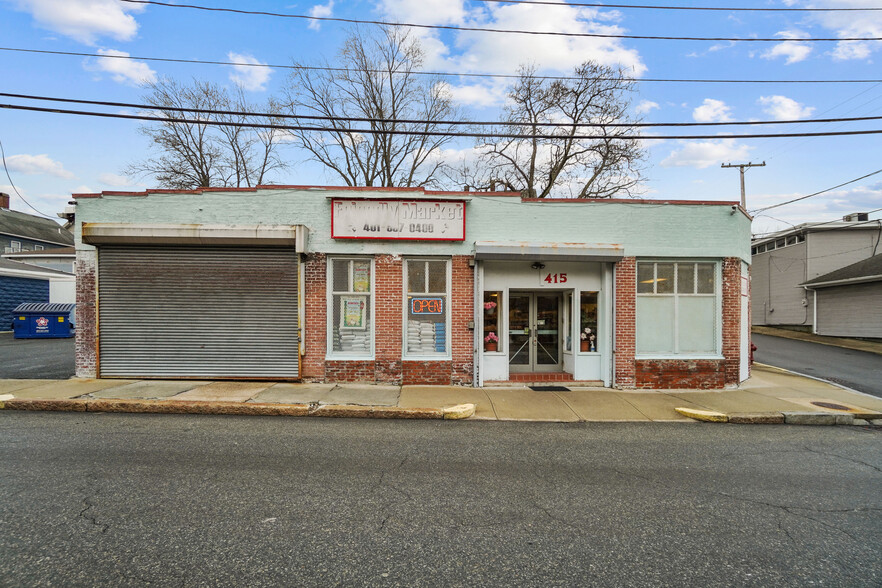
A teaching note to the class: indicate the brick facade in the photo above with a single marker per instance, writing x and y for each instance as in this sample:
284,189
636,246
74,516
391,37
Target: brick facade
388,366
87,318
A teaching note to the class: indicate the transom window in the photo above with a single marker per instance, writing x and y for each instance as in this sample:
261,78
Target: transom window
426,312
677,308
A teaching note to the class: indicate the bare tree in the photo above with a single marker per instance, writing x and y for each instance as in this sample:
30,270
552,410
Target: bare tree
195,154
374,79
605,165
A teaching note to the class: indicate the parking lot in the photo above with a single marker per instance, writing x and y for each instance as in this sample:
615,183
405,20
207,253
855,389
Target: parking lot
36,358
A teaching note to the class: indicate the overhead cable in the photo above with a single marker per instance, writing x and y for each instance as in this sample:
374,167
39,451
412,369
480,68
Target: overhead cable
432,73
648,7
439,122
816,193
409,132
505,31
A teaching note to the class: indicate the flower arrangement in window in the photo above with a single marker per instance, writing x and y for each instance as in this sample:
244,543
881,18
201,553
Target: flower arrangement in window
491,341
589,340
489,305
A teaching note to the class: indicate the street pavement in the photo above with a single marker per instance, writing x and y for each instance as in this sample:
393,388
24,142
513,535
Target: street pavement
860,370
132,500
36,358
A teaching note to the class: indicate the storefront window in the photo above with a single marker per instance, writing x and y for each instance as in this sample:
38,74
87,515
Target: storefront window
426,307
588,322
676,308
492,312
350,301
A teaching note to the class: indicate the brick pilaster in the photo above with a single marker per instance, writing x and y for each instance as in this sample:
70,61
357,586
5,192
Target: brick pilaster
85,269
315,317
389,309
625,304
731,318
462,310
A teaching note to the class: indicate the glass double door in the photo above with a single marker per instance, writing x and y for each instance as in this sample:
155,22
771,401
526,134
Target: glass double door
534,332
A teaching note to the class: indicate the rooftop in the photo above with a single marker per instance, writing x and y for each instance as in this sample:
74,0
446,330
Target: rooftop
35,228
867,270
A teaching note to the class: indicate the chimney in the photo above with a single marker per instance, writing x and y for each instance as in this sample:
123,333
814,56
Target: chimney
4,200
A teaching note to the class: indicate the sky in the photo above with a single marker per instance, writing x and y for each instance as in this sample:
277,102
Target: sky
50,156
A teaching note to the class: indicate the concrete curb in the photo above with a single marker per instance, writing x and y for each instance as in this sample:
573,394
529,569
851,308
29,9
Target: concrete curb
228,408
707,416
779,418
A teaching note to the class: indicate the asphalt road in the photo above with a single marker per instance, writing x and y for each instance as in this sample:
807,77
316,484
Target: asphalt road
130,500
858,370
36,358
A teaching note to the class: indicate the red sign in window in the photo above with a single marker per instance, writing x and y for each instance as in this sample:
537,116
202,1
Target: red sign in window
427,306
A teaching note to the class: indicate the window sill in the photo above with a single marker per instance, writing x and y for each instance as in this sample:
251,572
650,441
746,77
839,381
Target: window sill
680,356
349,358
427,358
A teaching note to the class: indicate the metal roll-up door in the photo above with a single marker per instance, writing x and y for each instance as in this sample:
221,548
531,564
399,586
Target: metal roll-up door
198,312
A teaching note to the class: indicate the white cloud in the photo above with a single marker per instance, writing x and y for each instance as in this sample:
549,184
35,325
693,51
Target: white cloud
115,180
712,111
320,11
123,71
646,106
249,77
791,51
846,50
478,95
703,154
485,52
849,24
783,108
826,207
84,20
37,165
426,11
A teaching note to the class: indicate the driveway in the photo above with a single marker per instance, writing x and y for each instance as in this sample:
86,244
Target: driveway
856,369
36,358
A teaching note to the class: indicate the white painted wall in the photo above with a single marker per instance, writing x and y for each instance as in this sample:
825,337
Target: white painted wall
62,290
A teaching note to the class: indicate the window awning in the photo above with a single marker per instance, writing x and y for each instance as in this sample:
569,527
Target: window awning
528,251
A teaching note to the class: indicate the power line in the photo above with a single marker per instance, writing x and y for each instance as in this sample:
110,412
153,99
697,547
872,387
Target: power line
440,122
11,183
430,73
818,193
431,133
505,31
704,8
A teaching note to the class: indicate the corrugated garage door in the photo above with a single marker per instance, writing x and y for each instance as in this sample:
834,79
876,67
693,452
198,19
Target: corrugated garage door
202,312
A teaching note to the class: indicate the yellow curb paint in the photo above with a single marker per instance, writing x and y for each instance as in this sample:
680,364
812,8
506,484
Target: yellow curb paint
709,416
460,411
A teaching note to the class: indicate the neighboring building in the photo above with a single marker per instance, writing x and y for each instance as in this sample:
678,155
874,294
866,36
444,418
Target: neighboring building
56,258
406,286
784,261
21,282
25,232
848,301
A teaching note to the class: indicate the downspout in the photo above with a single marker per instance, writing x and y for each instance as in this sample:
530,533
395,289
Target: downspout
612,377
814,308
477,357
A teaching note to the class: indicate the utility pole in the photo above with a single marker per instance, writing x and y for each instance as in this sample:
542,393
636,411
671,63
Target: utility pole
741,166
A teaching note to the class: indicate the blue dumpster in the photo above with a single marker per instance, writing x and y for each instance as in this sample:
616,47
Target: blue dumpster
33,320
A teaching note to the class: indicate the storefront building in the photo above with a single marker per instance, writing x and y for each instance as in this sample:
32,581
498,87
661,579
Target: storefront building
407,286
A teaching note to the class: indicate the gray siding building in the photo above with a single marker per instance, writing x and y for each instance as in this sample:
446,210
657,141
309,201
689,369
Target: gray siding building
785,263
848,301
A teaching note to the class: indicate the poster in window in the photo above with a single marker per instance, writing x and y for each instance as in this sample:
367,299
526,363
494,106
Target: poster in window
352,312
361,276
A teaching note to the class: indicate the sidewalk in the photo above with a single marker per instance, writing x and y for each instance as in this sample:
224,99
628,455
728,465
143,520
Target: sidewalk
771,395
